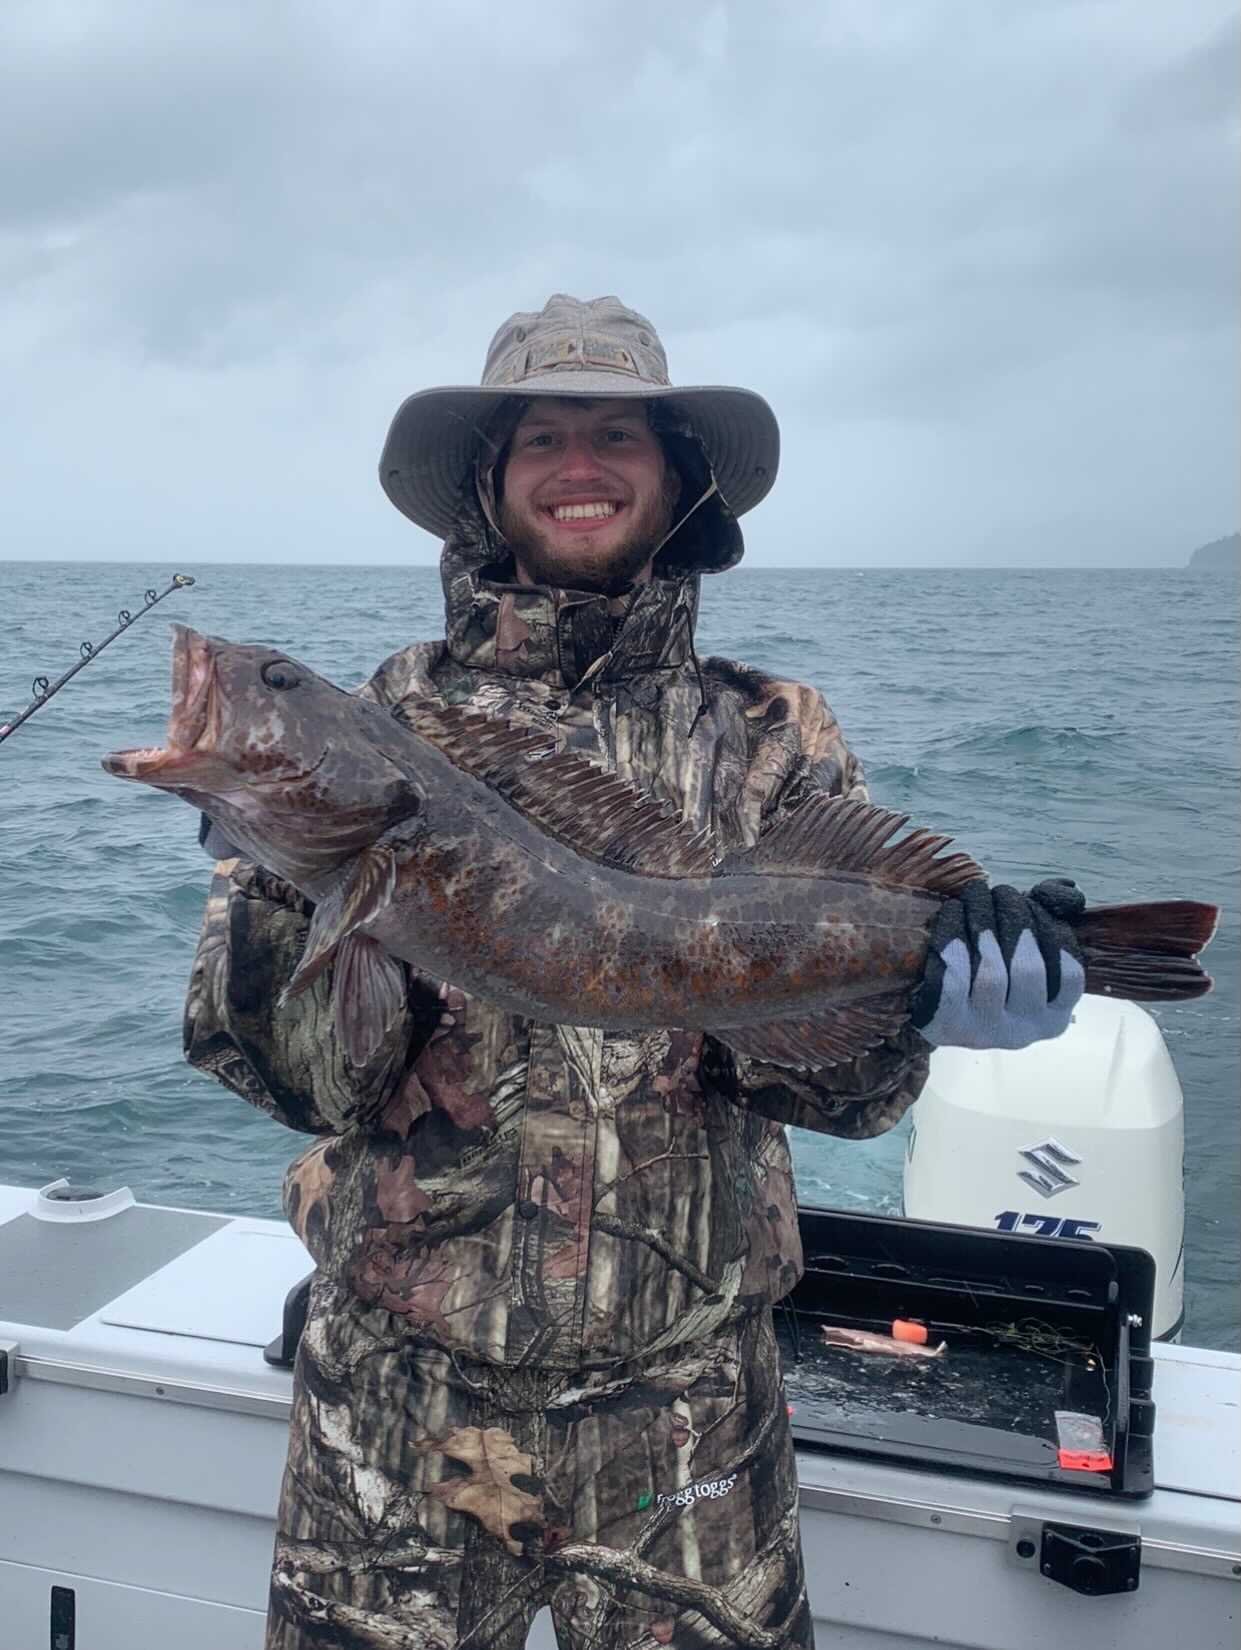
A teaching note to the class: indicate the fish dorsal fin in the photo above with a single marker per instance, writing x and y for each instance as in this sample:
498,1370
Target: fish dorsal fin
834,833
590,810
831,1037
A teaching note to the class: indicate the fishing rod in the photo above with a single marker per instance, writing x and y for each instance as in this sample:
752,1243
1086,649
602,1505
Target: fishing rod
43,690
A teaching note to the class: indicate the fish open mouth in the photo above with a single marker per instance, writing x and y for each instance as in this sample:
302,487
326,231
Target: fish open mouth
191,723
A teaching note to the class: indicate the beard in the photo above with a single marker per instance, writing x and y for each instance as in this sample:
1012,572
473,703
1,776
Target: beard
604,572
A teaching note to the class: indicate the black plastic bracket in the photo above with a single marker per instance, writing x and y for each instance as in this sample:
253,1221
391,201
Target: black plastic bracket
1090,1561
283,1350
8,1361
63,1619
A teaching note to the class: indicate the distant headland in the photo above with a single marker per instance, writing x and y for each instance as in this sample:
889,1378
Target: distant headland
1220,556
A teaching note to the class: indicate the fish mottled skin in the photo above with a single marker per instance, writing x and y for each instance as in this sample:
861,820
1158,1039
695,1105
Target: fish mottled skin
579,943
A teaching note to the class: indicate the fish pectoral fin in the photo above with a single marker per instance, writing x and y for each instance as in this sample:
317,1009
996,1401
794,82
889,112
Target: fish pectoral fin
359,899
370,994
836,833
829,1038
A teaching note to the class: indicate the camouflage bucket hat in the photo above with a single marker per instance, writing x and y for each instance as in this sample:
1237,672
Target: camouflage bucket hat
569,348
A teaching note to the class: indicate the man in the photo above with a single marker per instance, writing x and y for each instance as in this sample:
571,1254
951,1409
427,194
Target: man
539,1364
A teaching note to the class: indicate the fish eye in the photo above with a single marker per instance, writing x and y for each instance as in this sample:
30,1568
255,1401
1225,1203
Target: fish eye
279,674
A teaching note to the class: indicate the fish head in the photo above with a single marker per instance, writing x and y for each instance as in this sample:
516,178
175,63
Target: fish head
295,770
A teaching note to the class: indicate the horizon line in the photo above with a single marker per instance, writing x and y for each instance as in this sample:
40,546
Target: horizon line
783,567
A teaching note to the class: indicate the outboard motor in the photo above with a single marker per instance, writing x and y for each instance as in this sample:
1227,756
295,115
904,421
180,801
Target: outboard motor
1079,1137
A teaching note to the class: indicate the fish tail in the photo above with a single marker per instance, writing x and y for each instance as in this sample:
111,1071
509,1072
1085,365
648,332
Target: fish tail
1148,952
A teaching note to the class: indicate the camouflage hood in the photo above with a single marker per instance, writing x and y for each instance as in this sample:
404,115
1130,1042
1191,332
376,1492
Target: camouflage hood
562,636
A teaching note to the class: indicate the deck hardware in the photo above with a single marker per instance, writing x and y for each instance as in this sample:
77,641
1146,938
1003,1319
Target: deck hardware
62,1619
8,1365
1090,1561
282,1352
1016,1528
272,1405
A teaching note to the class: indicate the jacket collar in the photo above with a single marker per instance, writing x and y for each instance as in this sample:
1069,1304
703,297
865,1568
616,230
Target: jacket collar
560,637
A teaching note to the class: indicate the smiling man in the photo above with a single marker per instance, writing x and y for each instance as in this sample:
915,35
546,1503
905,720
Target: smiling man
588,494
539,1363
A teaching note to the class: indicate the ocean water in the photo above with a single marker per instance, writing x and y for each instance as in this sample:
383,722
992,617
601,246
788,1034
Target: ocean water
1081,722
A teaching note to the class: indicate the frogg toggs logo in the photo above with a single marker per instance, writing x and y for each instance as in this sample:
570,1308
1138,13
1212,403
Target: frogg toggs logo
710,1491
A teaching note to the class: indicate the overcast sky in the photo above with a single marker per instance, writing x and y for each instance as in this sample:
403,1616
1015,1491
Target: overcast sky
981,256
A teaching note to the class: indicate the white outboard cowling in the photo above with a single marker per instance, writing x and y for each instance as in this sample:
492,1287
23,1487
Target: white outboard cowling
1079,1137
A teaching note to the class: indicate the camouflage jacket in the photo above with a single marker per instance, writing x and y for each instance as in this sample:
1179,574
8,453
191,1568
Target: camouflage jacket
546,1195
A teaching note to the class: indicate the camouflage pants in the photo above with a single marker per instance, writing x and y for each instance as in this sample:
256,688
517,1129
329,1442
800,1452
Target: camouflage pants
431,1503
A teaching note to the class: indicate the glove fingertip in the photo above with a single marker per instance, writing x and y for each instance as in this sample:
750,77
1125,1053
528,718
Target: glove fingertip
1061,897
924,999
949,924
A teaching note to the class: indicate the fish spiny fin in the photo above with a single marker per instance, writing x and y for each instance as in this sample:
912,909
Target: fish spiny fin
830,1037
370,995
590,810
833,833
357,900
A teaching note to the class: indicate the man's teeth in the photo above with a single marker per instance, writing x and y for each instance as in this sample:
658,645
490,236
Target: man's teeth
582,512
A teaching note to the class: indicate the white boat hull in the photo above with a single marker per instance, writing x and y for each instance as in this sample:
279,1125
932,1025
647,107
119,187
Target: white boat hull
141,1449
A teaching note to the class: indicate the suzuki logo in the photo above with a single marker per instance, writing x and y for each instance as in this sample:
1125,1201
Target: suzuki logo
1049,1174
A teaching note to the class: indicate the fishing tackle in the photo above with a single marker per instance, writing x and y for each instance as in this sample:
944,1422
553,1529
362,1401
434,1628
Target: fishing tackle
863,1340
43,690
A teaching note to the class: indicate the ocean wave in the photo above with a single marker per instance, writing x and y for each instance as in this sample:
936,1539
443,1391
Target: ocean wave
1031,739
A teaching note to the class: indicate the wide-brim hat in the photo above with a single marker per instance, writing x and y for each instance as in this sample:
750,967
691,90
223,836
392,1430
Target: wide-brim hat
598,349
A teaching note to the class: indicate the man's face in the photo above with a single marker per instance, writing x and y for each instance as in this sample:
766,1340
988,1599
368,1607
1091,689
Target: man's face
588,494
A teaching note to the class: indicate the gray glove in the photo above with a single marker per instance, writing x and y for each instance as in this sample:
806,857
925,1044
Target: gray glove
1004,969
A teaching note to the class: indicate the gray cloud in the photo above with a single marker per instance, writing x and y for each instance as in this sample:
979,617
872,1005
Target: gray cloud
981,259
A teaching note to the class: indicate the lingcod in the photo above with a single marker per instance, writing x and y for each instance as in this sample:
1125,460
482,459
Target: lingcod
474,851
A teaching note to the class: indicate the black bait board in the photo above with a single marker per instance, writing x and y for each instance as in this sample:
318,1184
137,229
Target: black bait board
1031,1325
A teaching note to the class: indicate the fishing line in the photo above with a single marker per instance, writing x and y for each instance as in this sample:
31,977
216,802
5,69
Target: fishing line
43,690
1044,1340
